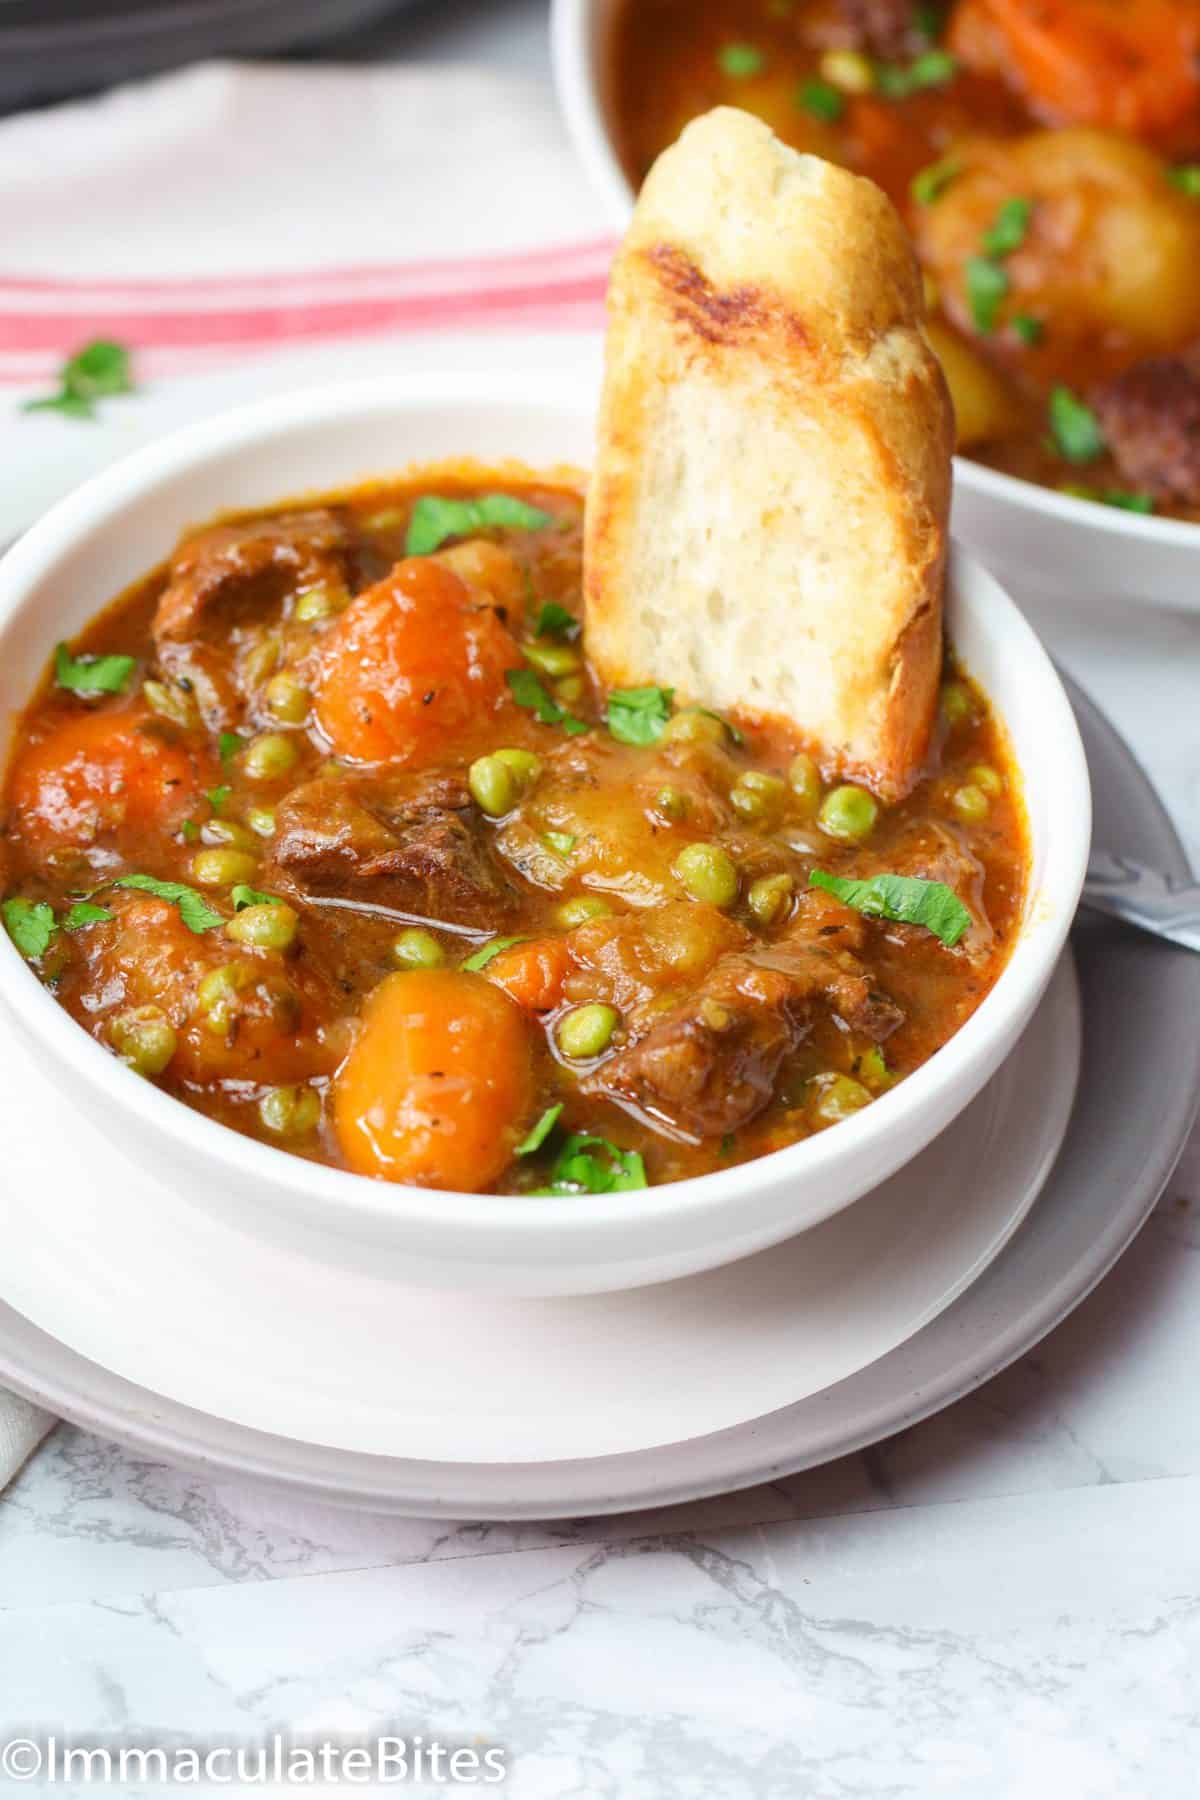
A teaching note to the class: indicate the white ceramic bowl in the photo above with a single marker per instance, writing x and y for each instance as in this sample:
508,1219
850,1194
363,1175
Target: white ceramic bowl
1039,542
96,541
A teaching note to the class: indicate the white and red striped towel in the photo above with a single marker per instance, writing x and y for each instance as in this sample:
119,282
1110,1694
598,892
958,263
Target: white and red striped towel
246,229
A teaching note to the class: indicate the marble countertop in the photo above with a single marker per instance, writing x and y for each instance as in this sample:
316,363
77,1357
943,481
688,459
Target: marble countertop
1003,1601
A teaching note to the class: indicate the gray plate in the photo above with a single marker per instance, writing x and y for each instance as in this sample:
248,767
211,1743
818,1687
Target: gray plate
1138,1096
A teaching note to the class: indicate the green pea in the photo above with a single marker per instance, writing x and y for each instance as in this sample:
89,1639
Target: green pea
494,787
144,1038
971,804
553,659
217,995
229,833
261,660
957,705
872,1066
223,868
693,726
287,698
982,775
708,873
318,603
671,803
757,795
270,757
525,765
848,813
417,949
835,1097
261,820
270,926
804,779
171,703
290,1111
580,909
769,896
587,1031
569,689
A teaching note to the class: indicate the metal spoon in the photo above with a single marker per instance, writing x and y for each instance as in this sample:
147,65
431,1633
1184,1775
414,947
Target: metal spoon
1127,890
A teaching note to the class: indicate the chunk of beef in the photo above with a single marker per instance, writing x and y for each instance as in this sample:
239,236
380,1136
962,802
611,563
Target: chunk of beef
889,28
1150,417
711,1065
220,574
410,843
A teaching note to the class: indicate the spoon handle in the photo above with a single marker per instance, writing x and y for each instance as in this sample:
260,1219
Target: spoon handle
1127,890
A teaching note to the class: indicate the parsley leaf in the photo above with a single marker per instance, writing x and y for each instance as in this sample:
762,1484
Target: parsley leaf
904,898
436,518
1123,498
529,690
30,925
194,909
539,1132
933,68
639,715
189,831
217,796
1027,328
1186,177
555,621
561,842
100,369
241,895
931,182
987,285
740,61
1075,427
82,913
91,674
821,100
483,956
578,1170
1008,228
228,745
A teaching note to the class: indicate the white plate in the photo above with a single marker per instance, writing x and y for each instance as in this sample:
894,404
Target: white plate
161,1291
1136,1102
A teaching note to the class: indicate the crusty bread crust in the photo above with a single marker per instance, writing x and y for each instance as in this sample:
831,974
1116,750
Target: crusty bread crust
767,518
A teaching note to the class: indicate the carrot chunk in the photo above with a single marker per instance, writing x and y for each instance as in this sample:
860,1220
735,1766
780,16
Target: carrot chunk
532,974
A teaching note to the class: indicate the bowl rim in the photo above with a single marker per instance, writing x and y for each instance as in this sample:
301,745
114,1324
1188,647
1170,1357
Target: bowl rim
578,85
1049,911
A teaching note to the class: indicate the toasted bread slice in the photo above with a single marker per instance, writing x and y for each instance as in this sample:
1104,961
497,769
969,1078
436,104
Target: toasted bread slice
767,519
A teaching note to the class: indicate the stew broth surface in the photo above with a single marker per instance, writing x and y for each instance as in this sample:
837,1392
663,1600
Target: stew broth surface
313,718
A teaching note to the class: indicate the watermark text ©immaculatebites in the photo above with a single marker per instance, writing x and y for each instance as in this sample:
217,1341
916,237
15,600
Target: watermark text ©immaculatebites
44,1757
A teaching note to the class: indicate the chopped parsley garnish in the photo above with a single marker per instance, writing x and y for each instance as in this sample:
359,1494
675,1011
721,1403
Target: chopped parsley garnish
929,18
931,182
740,61
561,842
189,831
217,796
987,285
1028,329
228,745
96,372
1186,177
92,674
555,621
242,896
933,68
1008,228
1074,427
194,909
483,957
821,100
529,690
436,518
592,1165
84,912
538,1134
1123,498
639,715
906,899
30,925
